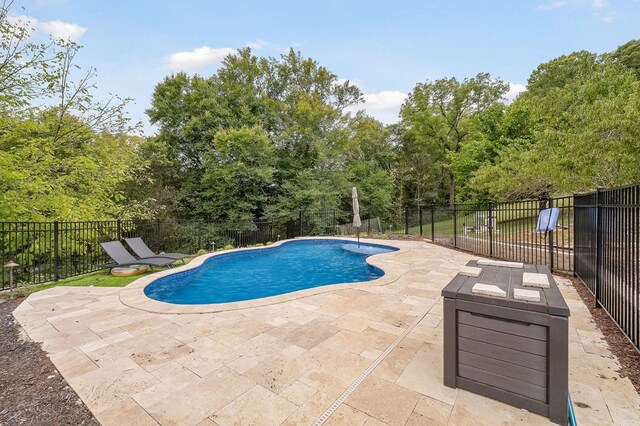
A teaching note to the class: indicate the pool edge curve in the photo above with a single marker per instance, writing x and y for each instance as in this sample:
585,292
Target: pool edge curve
133,294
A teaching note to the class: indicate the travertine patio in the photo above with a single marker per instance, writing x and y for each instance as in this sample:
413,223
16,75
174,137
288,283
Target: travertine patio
287,363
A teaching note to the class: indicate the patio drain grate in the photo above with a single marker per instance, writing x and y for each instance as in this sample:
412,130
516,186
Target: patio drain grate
338,402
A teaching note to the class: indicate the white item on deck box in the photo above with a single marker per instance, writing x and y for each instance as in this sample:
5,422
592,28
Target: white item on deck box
502,263
530,279
528,295
470,271
489,290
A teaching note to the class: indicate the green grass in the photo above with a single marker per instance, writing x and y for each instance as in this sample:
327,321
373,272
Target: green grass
96,279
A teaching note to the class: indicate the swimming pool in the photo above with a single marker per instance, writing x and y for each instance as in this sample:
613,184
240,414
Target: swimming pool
254,274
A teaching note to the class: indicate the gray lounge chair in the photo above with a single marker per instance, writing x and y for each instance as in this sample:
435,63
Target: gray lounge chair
142,251
122,257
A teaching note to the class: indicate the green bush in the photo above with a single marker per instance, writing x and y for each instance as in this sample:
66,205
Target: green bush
201,251
228,247
258,245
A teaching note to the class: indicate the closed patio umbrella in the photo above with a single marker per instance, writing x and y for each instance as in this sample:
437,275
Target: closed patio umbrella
356,212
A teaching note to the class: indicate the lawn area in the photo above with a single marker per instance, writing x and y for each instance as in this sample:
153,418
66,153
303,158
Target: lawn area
511,218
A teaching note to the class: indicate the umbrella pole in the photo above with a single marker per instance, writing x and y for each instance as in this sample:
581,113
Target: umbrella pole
358,234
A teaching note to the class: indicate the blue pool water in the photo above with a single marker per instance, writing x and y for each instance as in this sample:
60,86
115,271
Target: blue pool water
253,274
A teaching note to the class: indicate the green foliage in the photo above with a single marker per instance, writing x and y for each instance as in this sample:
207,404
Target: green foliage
559,72
437,119
62,155
582,132
629,55
268,137
238,174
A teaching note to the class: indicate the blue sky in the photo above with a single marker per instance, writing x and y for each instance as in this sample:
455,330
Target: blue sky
385,47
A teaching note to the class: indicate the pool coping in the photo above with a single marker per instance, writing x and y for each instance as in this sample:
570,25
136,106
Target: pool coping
133,294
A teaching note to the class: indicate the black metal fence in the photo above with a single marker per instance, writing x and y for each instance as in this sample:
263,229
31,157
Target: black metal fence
597,238
607,247
505,230
50,251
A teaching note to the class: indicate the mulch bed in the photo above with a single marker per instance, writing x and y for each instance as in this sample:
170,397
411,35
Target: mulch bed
621,347
32,390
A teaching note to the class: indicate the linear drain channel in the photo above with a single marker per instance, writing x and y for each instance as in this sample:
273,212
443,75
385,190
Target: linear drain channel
338,402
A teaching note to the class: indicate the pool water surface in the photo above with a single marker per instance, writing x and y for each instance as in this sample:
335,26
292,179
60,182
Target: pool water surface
254,274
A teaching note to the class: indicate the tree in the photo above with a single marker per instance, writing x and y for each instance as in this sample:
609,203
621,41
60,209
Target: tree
238,175
629,55
63,155
437,117
295,101
582,132
559,72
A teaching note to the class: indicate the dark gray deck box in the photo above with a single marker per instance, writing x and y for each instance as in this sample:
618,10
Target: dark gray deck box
507,349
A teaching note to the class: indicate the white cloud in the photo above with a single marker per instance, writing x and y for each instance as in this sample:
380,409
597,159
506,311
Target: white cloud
553,5
385,99
198,58
557,4
63,30
58,29
383,106
260,44
514,90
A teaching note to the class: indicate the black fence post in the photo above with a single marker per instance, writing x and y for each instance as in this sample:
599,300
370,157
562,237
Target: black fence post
598,248
335,225
118,230
455,225
490,228
161,242
301,226
406,220
433,223
575,238
56,251
551,262
420,215
199,234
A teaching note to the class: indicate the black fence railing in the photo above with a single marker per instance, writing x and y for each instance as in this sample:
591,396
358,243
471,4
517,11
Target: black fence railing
607,247
505,230
597,238
50,251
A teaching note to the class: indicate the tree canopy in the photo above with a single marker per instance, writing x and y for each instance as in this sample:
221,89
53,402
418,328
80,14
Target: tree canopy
63,155
269,136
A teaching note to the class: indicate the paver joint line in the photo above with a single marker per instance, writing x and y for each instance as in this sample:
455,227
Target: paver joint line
338,402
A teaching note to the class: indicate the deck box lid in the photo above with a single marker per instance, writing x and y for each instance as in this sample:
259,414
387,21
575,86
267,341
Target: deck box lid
551,300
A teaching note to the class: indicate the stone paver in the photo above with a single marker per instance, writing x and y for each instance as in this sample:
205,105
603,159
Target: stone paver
287,363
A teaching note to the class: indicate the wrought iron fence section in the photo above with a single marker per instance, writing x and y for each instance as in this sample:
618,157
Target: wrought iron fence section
608,253
50,251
